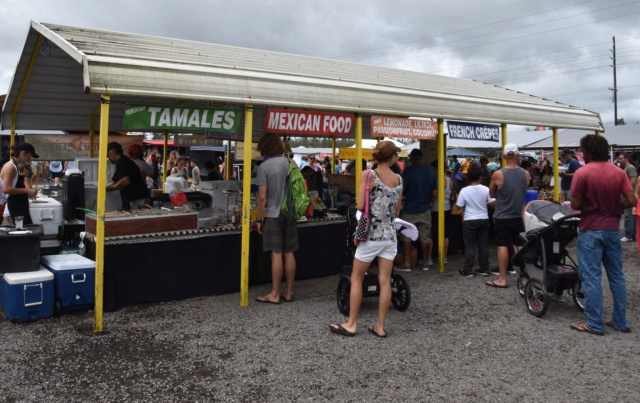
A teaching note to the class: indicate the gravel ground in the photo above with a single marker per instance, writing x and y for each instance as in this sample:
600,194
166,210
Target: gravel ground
458,341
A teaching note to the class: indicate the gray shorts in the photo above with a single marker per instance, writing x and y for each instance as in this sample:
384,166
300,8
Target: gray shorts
422,221
279,235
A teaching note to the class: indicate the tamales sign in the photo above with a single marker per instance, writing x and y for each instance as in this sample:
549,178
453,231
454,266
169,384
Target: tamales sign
182,117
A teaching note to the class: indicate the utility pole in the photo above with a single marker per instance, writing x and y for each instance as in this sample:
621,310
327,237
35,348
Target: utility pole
615,85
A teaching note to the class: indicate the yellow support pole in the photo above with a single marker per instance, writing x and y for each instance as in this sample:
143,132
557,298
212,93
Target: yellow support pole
100,211
556,171
23,87
358,165
333,155
246,206
227,161
165,155
504,142
92,130
441,184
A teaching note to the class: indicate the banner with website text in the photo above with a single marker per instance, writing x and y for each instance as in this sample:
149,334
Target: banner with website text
68,147
473,131
385,126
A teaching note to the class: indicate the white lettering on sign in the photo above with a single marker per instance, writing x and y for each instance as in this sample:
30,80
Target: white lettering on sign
161,117
134,110
308,122
180,117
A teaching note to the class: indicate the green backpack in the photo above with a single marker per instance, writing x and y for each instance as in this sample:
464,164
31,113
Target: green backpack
295,200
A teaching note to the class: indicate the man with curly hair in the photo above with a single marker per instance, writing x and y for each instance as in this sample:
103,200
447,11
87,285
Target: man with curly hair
596,190
279,234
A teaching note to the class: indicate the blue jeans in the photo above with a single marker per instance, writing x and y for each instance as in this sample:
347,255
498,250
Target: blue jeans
595,247
629,224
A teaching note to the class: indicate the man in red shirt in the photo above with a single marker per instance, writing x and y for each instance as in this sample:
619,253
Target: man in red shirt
596,190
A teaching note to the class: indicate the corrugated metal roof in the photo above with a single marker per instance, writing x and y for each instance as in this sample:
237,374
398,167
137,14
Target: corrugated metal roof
76,65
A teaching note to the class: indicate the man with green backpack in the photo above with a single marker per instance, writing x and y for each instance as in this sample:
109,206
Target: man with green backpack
280,204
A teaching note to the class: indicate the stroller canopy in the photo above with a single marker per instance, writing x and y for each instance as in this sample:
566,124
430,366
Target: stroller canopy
541,213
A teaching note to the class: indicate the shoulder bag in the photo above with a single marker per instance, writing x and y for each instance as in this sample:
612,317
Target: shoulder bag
362,230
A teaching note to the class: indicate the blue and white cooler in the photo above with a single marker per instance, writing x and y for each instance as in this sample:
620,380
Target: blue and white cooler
27,296
74,279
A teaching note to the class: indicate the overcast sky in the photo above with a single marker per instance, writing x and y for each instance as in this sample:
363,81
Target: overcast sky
559,49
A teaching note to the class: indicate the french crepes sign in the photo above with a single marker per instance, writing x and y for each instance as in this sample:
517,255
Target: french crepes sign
473,131
384,126
182,117
308,123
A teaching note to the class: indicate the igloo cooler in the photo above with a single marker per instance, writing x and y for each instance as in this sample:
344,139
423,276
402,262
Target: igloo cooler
74,281
27,296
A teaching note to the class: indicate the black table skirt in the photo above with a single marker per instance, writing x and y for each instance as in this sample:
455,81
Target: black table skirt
166,268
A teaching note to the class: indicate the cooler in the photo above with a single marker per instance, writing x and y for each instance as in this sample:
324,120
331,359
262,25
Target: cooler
74,280
20,250
27,296
47,211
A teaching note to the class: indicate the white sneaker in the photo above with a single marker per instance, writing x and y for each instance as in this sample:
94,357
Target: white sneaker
425,268
625,239
430,262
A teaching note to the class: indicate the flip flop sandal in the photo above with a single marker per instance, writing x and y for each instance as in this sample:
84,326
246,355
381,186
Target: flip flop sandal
582,327
266,300
610,324
372,330
341,331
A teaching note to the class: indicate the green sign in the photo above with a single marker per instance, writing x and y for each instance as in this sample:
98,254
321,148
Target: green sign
187,118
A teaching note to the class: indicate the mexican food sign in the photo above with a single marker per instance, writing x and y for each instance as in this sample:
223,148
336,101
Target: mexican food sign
310,123
181,117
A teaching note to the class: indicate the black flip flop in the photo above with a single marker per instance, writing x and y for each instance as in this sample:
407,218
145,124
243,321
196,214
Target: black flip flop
493,284
265,300
372,330
341,331
283,299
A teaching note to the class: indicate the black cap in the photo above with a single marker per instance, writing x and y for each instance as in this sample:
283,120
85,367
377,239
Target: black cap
565,152
27,147
415,153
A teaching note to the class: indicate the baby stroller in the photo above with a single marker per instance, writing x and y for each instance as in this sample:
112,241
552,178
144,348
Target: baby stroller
546,268
400,291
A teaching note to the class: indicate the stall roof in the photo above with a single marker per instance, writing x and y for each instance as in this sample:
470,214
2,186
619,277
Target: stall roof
617,136
74,66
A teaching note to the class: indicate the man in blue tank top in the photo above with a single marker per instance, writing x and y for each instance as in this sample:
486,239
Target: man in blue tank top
509,186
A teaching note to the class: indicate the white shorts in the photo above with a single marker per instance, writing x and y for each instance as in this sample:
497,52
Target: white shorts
369,250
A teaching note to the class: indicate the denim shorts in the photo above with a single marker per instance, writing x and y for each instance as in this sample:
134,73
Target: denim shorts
369,250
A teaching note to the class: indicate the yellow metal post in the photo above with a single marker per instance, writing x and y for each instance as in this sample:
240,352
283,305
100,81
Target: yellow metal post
333,155
556,171
246,206
23,87
100,211
227,161
441,185
165,156
358,165
92,130
504,142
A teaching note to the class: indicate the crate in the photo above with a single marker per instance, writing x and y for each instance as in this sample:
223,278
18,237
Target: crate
73,279
27,296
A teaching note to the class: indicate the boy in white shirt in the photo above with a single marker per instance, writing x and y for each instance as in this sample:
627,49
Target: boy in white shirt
473,201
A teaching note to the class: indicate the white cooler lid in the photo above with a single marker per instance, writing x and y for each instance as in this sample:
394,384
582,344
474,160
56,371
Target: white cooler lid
71,261
28,276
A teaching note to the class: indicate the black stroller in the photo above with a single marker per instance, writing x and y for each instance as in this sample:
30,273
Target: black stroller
400,292
546,267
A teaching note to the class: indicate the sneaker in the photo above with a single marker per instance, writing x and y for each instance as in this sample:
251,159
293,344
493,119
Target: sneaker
511,270
429,262
464,273
625,239
560,297
495,270
479,272
446,261
425,268
406,269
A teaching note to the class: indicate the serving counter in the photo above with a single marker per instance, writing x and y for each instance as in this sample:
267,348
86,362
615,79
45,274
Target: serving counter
193,263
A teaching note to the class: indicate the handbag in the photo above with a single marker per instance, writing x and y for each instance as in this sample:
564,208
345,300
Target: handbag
362,230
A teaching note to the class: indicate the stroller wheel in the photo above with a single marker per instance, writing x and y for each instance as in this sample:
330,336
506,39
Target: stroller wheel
578,295
536,298
521,283
343,294
400,293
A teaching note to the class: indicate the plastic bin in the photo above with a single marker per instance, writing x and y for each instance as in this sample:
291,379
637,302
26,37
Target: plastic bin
74,281
27,296
20,252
